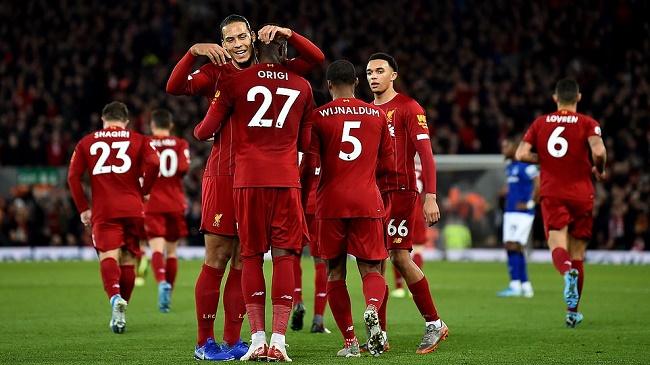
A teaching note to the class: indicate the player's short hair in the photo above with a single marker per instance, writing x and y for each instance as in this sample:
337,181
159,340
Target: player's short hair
341,72
386,57
115,110
162,118
234,18
567,91
272,49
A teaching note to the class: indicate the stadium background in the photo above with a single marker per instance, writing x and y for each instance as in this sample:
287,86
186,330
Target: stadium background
481,69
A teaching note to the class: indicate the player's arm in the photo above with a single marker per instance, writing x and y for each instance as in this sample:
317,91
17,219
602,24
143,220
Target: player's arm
308,116
183,81
184,160
216,116
150,167
524,152
75,173
418,131
309,55
599,156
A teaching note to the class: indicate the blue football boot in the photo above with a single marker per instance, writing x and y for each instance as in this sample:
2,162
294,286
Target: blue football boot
164,296
571,295
211,351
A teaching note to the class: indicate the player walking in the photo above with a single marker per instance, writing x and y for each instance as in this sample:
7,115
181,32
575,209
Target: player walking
164,221
566,142
116,159
518,217
267,105
218,211
410,134
350,137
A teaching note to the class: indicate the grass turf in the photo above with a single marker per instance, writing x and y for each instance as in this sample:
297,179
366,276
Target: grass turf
57,312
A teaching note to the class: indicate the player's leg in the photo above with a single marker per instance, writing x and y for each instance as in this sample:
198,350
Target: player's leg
142,265
233,306
128,260
298,315
577,251
374,289
320,295
282,288
340,304
171,261
110,272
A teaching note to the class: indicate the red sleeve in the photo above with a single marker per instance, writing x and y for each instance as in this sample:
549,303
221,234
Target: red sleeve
418,130
184,158
593,128
531,133
306,124
183,81
309,55
75,172
215,117
150,166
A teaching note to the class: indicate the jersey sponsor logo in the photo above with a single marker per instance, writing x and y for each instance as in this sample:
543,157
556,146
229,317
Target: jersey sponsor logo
273,75
217,220
422,121
112,134
561,119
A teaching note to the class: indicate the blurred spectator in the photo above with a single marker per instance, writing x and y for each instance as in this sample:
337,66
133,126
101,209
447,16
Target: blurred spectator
480,69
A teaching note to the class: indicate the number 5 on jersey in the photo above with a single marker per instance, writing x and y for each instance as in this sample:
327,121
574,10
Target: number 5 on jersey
347,137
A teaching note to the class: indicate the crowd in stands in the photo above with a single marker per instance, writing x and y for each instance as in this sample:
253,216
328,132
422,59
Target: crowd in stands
481,69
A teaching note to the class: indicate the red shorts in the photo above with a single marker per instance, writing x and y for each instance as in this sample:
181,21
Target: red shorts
124,233
401,218
269,217
420,229
576,214
169,225
362,238
217,206
312,225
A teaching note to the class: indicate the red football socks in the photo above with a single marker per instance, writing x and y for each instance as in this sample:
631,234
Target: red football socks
339,299
254,291
399,280
320,289
282,291
561,260
579,265
158,266
423,300
110,272
206,295
382,311
374,289
418,259
127,281
171,268
233,306
297,274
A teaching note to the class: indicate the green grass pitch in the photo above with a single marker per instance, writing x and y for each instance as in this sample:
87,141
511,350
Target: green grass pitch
58,313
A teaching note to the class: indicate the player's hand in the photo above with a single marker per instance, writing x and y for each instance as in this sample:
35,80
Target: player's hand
146,198
431,210
269,32
599,176
217,54
86,215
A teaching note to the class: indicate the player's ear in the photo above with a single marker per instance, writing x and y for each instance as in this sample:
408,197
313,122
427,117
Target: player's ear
555,98
253,36
579,97
329,85
356,82
393,76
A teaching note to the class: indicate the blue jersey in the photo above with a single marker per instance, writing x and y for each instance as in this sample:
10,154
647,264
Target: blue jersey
521,182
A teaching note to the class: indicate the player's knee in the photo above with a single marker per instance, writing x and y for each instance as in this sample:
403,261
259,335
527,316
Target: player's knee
217,258
400,258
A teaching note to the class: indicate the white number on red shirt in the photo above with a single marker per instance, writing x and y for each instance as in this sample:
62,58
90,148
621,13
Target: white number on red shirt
101,167
401,230
555,141
168,162
257,120
347,137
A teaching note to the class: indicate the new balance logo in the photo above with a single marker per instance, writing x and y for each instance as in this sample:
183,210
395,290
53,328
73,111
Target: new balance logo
288,297
374,299
321,295
351,328
257,294
116,285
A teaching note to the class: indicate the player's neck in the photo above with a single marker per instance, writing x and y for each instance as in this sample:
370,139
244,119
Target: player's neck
161,132
342,93
385,97
573,108
121,125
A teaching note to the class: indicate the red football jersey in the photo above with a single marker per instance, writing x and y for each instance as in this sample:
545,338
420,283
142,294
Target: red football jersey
561,141
410,133
206,80
167,194
309,175
115,159
268,106
351,137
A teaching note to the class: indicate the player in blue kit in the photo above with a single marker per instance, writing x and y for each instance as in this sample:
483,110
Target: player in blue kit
518,217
